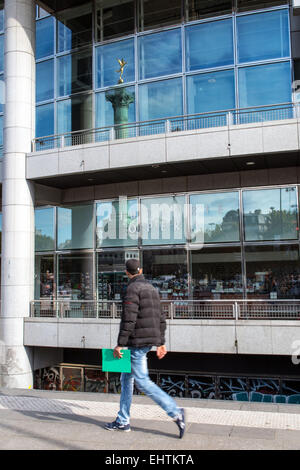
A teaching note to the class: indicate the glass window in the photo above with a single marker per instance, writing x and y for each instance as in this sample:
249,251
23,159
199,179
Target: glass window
111,277
44,229
74,73
108,69
44,37
1,137
45,80
105,114
2,15
44,120
160,99
114,18
2,93
75,227
166,269
44,285
160,54
156,13
2,53
163,220
74,114
270,214
265,84
216,273
213,91
209,45
220,213
244,5
75,275
263,36
273,271
117,223
206,8
74,27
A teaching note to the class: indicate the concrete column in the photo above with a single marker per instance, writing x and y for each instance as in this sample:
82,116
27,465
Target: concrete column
17,270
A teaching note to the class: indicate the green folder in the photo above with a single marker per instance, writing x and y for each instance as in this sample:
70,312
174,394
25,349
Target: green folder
113,364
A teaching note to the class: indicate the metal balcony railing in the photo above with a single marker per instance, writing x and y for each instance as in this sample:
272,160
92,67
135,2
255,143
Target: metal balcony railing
258,309
208,120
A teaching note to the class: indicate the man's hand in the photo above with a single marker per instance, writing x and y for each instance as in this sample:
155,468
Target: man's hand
117,352
161,351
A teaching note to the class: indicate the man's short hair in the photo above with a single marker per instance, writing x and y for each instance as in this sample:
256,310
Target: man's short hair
133,266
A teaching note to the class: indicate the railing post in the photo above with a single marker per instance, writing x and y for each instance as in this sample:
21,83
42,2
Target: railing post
172,310
229,119
62,141
32,308
114,310
236,310
168,126
112,135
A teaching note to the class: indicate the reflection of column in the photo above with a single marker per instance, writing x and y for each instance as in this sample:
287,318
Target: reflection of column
120,100
17,283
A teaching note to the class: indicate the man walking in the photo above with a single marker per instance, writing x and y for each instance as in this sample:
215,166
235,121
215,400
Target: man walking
142,326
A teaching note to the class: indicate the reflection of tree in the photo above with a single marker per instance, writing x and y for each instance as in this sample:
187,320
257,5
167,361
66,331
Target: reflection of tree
281,223
227,230
43,242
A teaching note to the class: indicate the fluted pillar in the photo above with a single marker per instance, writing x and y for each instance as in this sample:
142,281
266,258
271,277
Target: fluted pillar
17,260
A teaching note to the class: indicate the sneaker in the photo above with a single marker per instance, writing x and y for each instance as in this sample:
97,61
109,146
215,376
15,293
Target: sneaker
180,421
115,425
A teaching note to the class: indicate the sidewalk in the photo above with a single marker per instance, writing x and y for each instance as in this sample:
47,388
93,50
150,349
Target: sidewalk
49,420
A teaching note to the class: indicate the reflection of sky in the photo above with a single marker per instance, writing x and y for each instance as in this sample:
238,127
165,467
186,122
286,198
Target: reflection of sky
265,199
161,99
160,54
107,63
44,223
216,207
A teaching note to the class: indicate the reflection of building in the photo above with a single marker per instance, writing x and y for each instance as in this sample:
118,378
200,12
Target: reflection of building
197,89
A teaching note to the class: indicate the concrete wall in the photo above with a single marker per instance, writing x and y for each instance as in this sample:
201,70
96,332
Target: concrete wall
231,141
201,336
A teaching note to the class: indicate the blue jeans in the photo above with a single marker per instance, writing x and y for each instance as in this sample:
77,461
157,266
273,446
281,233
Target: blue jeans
139,374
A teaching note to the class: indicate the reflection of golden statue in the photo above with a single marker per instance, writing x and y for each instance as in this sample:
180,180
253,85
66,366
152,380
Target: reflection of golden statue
122,65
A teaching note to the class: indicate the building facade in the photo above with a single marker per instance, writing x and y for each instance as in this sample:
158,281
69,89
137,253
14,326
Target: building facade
166,131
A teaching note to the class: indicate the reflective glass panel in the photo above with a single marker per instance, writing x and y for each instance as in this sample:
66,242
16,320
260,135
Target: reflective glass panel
160,54
105,114
214,217
74,73
75,227
44,286
166,269
209,45
1,137
74,114
44,229
2,93
160,99
114,18
265,84
216,273
117,223
213,91
45,80
74,27
156,13
75,280
263,36
44,120
108,68
2,16
273,272
111,277
2,53
197,9
44,37
270,214
163,220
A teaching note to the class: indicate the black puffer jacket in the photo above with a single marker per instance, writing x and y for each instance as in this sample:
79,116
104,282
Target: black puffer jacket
143,322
